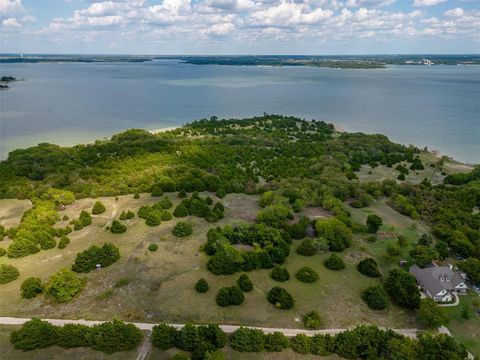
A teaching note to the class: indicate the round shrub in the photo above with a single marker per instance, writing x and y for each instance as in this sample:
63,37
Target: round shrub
368,267
301,343
153,247
232,295
375,298
166,215
182,229
280,274
165,203
21,247
248,340
201,286
156,191
280,297
334,262
163,336
117,227
63,242
63,285
276,342
180,211
98,208
110,337
2,252
306,274
308,247
136,196
245,283
31,287
8,273
312,320
126,215
45,240
34,334
154,218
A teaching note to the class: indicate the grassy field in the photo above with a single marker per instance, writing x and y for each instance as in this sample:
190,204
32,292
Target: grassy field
467,331
432,173
394,223
159,286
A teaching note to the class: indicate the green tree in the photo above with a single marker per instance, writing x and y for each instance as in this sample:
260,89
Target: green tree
163,336
334,262
307,247
182,229
375,297
110,337
31,287
430,314
245,283
280,274
201,286
338,235
276,342
374,222
312,320
471,267
34,334
8,273
301,343
368,267
117,227
98,208
280,297
247,340
401,286
306,274
63,285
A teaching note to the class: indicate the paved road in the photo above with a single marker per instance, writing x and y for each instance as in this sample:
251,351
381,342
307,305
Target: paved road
412,333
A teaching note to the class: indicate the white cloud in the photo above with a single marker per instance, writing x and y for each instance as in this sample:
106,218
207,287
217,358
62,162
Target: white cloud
8,7
289,13
457,12
421,3
11,22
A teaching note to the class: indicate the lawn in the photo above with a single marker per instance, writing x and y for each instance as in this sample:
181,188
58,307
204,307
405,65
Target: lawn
467,331
159,286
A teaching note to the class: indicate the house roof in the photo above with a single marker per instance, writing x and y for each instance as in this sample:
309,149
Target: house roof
436,278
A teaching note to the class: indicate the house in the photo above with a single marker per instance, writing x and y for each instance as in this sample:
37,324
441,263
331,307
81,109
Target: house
440,283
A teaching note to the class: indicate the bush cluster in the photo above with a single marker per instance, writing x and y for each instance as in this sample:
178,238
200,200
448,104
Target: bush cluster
108,337
8,273
104,256
280,273
31,287
334,262
375,297
244,283
200,340
117,227
182,229
312,320
63,242
227,259
308,247
402,287
337,234
280,297
248,340
126,215
63,285
98,208
201,207
368,267
231,295
85,219
306,274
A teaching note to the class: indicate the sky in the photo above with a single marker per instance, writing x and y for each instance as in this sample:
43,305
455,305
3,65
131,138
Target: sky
195,27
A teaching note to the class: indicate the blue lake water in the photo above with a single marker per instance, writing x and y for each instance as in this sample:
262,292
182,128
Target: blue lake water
434,106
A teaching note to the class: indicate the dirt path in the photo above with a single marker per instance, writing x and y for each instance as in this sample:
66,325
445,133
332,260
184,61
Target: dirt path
412,333
144,349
